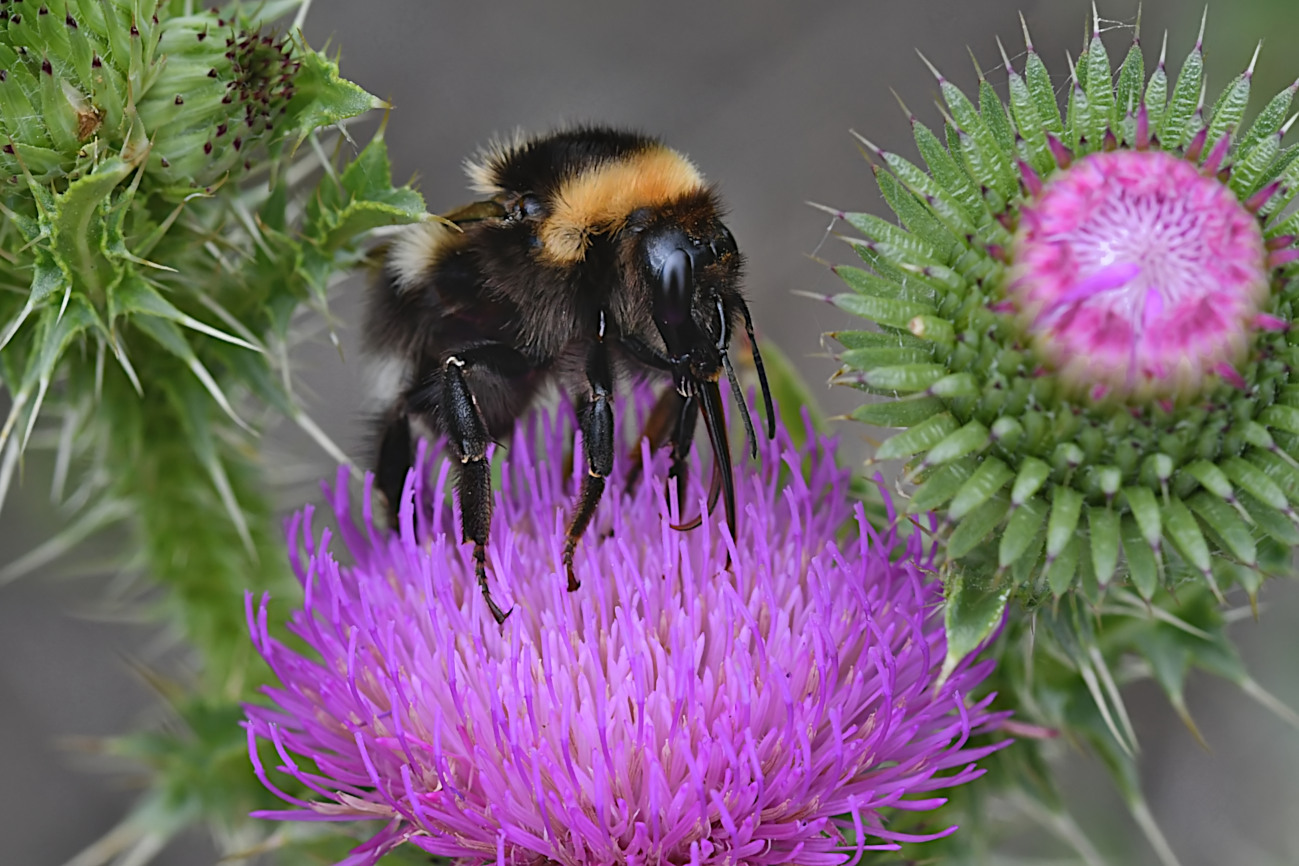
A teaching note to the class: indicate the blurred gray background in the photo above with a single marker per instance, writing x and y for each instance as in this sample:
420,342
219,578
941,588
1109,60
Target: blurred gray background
761,95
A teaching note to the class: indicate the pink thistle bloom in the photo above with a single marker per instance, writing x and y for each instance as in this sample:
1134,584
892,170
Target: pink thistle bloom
699,700
1137,271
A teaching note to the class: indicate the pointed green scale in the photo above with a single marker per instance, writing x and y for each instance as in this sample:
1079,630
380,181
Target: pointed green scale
949,175
1060,573
1255,482
1226,573
1145,509
955,385
1212,478
81,54
991,476
1184,531
905,378
1174,130
897,413
1099,88
1143,564
1029,124
909,247
867,359
1289,179
1156,98
1282,472
893,313
996,162
945,280
1257,435
921,437
940,486
1127,93
967,440
994,115
959,217
917,217
877,339
1229,110
1033,473
1281,417
982,166
1075,115
1042,91
977,526
888,261
14,103
1223,522
1062,528
1269,120
865,282
933,329
1249,168
1020,532
1272,521
1007,432
1103,527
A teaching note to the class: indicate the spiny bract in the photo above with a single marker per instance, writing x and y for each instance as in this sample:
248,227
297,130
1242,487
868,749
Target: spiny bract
1084,327
132,260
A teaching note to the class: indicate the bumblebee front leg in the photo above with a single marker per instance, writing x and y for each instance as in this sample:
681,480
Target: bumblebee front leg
596,420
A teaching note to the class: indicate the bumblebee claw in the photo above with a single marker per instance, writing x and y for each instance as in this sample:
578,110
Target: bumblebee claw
480,569
569,546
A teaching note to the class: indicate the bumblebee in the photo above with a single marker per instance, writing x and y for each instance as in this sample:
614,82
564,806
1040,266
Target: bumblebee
595,253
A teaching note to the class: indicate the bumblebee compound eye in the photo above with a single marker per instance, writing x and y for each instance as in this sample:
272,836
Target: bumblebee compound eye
724,243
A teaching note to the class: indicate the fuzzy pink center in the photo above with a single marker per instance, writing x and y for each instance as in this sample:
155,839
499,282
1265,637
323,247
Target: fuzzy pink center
1138,275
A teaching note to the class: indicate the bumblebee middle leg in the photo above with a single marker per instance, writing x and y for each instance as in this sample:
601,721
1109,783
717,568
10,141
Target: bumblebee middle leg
596,419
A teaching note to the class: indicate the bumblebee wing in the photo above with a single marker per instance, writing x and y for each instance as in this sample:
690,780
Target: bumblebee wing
422,282
491,209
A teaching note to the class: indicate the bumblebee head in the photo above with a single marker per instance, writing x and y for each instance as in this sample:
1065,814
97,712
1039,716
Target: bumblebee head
691,280
621,217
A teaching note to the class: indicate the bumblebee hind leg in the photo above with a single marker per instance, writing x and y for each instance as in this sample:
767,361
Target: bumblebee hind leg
396,455
444,397
469,436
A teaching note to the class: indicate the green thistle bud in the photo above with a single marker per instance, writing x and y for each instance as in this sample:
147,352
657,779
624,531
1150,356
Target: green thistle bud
1084,328
116,127
160,229
189,95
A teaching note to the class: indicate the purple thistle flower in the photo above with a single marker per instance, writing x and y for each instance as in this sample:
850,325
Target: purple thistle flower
1138,273
698,700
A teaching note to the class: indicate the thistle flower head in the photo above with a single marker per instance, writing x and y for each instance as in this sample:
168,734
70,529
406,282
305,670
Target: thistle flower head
699,699
1137,275
1084,326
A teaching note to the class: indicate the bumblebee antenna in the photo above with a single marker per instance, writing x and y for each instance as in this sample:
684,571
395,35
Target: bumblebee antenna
743,404
762,372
